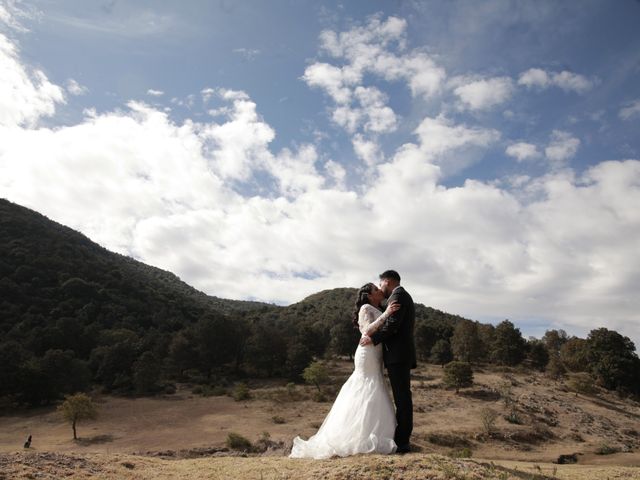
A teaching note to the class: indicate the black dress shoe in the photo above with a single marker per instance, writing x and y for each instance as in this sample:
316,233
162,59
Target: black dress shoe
403,449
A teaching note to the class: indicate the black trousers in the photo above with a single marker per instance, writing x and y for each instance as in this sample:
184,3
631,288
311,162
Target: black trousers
400,379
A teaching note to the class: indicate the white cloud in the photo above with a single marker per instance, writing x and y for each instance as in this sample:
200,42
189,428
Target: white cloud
74,88
562,147
296,173
630,111
568,81
522,151
337,173
26,94
367,150
380,118
377,48
481,94
247,53
453,147
240,144
12,12
330,78
155,93
212,196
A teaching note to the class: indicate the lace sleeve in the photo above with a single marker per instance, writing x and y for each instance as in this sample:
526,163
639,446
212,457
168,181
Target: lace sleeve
366,317
375,325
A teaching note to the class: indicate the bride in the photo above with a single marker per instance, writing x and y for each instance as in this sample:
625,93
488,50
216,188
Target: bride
362,418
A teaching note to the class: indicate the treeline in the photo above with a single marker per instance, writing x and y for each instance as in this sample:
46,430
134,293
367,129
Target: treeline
608,357
74,316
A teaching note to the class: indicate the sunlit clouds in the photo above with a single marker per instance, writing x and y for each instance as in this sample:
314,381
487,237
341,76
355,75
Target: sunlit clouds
217,200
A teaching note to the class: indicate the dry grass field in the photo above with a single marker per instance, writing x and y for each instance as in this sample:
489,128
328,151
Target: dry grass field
183,435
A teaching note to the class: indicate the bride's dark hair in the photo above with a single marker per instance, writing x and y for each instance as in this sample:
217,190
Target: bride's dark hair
361,299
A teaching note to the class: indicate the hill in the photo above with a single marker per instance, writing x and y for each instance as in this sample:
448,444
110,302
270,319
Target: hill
74,315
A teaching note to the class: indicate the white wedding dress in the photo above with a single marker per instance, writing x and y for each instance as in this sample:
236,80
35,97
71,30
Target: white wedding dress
362,418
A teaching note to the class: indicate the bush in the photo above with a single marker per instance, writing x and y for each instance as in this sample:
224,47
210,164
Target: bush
209,391
265,443
241,392
488,416
555,368
316,374
461,453
235,441
582,383
513,417
458,375
606,449
278,419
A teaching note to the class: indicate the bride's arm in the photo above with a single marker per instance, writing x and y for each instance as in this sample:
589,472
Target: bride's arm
375,325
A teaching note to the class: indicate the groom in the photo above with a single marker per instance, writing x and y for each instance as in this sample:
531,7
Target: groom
399,353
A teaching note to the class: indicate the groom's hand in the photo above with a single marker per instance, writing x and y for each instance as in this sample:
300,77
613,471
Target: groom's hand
365,340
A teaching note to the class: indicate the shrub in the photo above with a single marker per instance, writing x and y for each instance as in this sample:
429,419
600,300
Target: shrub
461,453
241,392
458,375
555,368
606,449
278,419
265,443
316,374
582,383
513,416
488,416
235,441
506,394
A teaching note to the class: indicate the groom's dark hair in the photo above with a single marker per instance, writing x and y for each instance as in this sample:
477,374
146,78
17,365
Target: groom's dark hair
391,274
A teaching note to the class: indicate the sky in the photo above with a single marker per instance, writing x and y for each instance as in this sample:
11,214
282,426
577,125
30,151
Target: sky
487,151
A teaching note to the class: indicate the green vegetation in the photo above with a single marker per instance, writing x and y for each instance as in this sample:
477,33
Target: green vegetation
458,375
316,374
235,441
77,407
74,316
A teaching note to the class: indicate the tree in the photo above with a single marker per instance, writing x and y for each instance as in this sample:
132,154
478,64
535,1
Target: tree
64,372
458,375
465,342
344,339
555,368
182,352
553,340
613,359
508,345
428,332
78,407
146,373
537,354
12,356
441,353
574,354
298,357
316,374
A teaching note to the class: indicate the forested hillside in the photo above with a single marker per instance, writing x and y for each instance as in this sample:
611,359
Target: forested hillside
74,315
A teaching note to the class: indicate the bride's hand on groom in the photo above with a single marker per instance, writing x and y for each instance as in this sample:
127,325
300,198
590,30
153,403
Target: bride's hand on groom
365,340
392,308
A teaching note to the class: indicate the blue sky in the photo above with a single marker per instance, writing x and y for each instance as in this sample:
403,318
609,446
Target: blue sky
489,151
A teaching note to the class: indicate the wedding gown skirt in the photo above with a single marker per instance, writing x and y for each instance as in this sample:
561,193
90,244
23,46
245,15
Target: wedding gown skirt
362,418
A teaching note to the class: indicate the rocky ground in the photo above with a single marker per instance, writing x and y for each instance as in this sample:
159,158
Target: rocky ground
184,435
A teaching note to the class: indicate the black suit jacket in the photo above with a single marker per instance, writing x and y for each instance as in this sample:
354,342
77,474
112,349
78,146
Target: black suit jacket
396,333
